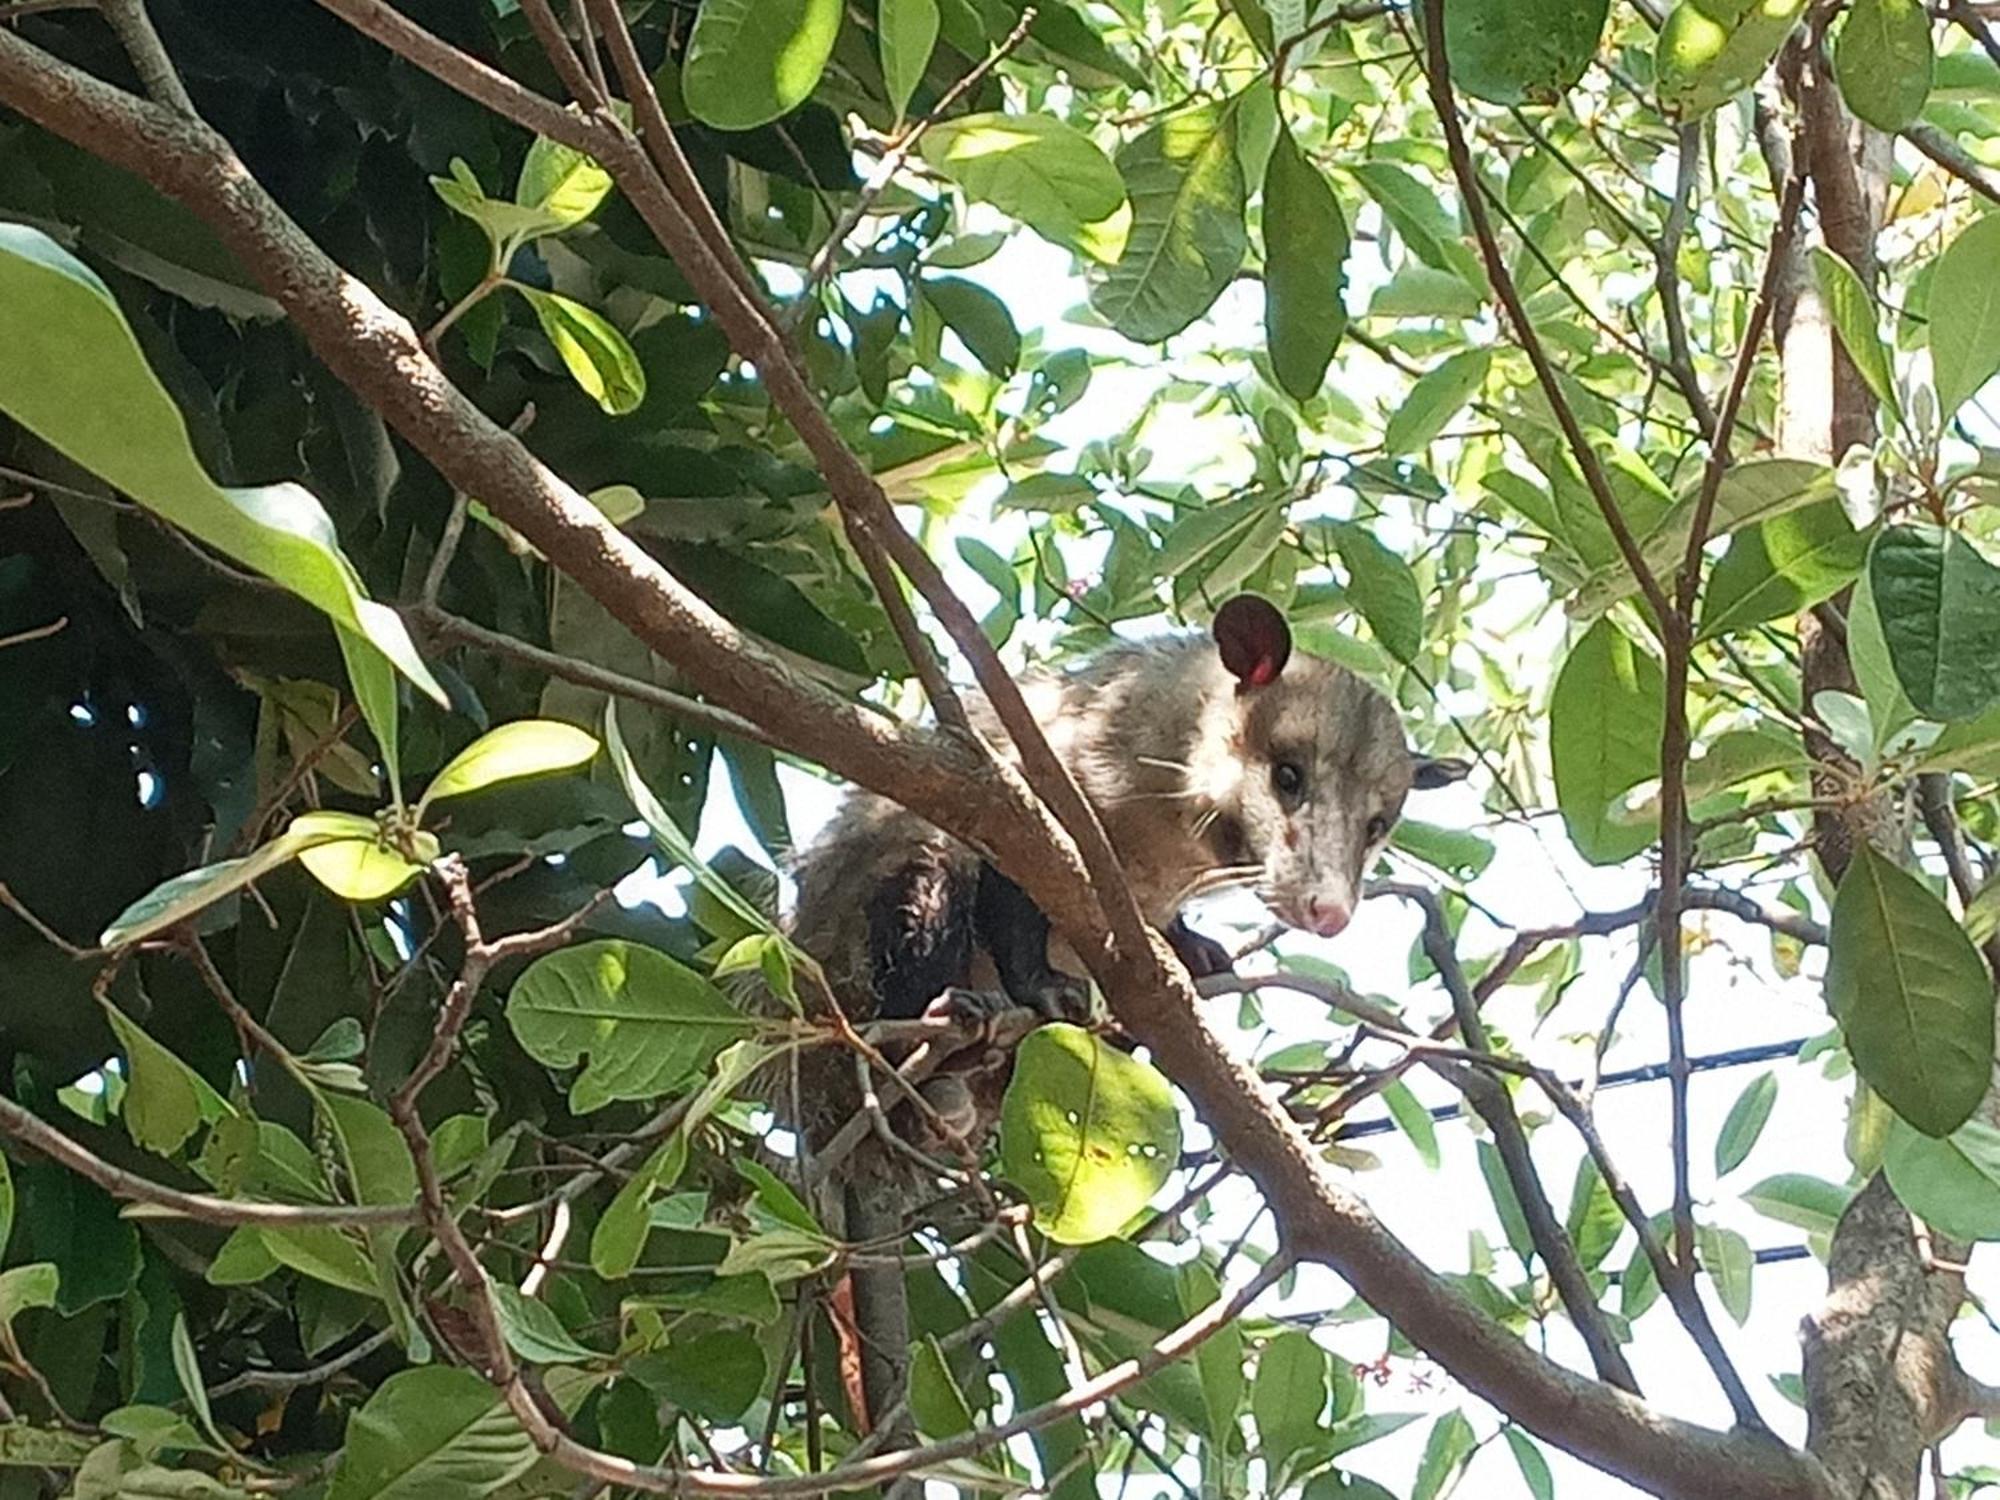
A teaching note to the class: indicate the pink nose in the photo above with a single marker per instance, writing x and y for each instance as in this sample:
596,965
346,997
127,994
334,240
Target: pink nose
1327,918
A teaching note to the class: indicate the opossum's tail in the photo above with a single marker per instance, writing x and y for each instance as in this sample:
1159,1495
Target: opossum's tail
875,1203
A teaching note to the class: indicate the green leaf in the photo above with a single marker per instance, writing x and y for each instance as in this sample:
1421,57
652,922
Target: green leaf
1805,1202
1434,400
173,901
345,853
1853,312
980,320
1951,1184
1534,1467
1290,1392
1522,51
187,1369
1606,718
1513,1223
750,61
1744,1123
243,1260
1448,1449
1426,226
620,1235
433,1433
647,1023
935,1399
1728,1259
1594,1220
6,1204
76,377
1413,1120
667,835
1088,1133
1187,238
560,182
534,1332
377,1157
1965,340
1383,589
505,225
1912,995
714,1375
1037,169
1939,603
1709,51
906,31
1782,566
1305,268
165,1100
1883,61
596,354
526,747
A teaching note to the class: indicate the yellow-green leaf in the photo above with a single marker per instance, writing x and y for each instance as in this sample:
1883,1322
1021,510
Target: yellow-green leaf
595,353
526,747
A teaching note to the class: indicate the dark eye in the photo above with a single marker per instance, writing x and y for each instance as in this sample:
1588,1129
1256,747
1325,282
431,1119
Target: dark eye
1288,780
1378,828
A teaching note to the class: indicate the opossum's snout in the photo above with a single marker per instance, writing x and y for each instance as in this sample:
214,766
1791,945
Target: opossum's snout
1327,915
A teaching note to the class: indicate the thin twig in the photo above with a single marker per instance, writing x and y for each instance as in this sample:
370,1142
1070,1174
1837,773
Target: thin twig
1667,280
157,74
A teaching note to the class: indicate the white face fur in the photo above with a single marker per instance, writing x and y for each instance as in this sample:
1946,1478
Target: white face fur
1321,771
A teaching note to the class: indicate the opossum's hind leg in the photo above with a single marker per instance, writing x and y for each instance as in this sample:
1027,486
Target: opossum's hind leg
1202,956
920,931
1017,935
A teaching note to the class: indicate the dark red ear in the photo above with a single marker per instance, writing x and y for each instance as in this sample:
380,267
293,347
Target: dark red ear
1254,640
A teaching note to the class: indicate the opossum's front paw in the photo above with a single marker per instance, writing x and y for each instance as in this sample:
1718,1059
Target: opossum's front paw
1201,956
1061,998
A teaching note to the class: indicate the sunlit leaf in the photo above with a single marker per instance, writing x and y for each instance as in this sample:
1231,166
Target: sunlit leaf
1965,341
1087,1132
750,61
1522,51
526,747
1037,169
1604,738
596,354
348,856
1744,1123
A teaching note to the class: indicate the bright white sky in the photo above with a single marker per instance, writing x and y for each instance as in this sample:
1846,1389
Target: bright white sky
1736,997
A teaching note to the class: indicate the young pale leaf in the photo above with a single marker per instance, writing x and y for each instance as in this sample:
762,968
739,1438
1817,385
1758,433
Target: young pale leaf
1434,400
433,1433
75,376
1883,61
560,182
1911,993
596,354
1744,1123
1604,739
1708,53
1036,169
1782,566
527,747
1965,322
506,225
645,1022
1383,588
1522,51
1853,312
1413,1120
1938,600
750,61
906,31
349,858
1088,1133
980,320
1187,239
1951,1184
1294,1375
1305,268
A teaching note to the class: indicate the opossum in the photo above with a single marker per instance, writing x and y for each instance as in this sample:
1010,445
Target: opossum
1212,763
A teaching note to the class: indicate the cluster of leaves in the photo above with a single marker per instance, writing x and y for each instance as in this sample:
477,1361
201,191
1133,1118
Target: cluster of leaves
1390,470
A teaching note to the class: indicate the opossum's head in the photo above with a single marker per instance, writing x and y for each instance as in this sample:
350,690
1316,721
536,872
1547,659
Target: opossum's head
1321,770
